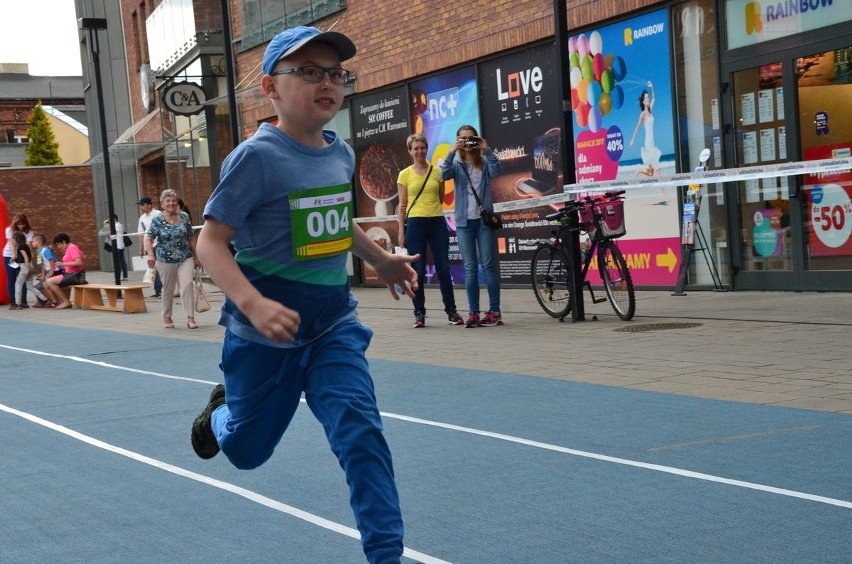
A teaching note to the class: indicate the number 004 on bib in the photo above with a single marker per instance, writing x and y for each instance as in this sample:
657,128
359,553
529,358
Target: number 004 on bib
322,221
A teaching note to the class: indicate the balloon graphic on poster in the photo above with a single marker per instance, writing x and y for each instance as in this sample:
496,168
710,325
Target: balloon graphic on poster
594,80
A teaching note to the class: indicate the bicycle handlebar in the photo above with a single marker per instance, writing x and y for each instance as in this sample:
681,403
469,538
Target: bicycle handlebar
582,202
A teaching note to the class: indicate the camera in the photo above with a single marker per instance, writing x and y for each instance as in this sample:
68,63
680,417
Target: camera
470,142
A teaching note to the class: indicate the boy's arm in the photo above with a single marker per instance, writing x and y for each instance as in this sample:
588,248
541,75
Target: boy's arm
392,269
271,318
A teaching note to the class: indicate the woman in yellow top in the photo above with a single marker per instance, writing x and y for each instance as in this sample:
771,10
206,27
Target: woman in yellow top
421,222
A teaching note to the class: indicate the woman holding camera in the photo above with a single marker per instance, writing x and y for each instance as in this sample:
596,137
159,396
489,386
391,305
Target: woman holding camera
471,164
421,222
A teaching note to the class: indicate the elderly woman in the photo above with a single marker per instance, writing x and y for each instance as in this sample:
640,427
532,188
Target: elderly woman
175,257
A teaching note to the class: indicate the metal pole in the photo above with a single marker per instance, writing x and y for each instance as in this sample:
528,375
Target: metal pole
92,25
229,73
575,282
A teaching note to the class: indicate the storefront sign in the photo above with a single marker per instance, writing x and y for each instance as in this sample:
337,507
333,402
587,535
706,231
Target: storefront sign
184,98
750,22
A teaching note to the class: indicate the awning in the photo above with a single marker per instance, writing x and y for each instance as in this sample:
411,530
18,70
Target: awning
125,148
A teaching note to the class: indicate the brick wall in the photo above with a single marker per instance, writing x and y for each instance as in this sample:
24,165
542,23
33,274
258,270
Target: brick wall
425,37
55,199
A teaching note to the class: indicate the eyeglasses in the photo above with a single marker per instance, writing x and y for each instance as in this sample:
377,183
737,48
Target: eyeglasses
313,73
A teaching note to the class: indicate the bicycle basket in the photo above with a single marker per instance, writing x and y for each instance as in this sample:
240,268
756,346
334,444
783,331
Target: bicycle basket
612,219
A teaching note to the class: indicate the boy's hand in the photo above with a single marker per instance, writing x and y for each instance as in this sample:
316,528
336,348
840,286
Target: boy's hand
396,269
274,320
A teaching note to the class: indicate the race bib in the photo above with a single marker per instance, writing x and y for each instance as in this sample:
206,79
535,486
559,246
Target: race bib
321,220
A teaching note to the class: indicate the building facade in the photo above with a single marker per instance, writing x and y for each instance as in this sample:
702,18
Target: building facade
652,84
62,99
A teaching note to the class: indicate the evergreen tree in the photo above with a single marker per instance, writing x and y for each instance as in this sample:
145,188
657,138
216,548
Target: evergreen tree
43,149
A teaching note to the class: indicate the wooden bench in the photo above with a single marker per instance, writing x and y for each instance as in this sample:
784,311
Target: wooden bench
88,296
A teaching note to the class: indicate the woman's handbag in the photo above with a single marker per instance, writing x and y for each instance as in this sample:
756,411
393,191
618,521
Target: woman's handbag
201,303
491,219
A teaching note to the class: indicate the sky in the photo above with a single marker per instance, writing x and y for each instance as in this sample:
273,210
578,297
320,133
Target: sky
42,33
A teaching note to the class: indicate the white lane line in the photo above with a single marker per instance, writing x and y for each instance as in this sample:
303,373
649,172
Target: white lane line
247,494
535,444
625,462
107,365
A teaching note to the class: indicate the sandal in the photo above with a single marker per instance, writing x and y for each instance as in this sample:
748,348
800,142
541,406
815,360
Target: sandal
191,324
168,323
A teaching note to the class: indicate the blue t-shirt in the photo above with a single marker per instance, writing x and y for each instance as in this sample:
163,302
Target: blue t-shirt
291,207
47,257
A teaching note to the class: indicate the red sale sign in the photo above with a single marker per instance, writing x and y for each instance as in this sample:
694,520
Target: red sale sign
830,211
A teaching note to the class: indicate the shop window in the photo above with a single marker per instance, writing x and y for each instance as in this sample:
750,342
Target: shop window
699,122
263,19
824,83
760,136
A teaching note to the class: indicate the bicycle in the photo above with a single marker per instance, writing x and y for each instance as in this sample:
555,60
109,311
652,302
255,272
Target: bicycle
602,219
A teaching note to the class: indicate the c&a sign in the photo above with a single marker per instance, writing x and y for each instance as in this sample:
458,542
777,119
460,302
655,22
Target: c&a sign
184,98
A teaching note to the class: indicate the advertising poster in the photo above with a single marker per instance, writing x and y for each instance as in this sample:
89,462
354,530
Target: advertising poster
830,197
621,96
766,233
380,125
439,105
519,96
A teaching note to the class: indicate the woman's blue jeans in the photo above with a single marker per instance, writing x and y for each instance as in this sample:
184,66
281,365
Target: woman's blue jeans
420,231
11,276
478,246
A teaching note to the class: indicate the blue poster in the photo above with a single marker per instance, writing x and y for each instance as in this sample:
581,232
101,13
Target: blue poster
440,105
621,99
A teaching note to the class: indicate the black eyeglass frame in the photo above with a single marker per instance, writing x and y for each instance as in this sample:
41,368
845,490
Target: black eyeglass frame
325,70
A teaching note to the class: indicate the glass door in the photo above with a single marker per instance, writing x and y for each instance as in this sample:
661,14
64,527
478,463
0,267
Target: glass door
760,137
824,88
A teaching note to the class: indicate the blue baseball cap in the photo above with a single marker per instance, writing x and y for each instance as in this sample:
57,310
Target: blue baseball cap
289,41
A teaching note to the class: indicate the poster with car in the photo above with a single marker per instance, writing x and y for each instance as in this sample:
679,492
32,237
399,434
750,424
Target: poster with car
519,97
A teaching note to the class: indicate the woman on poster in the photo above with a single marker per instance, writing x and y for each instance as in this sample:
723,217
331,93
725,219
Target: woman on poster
649,151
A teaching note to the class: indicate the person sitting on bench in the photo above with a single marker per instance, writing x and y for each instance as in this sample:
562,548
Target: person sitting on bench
72,264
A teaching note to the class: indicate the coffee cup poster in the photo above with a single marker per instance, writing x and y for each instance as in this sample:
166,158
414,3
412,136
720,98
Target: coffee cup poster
380,126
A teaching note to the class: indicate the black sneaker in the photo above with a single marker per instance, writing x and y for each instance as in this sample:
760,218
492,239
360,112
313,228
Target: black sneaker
203,441
453,318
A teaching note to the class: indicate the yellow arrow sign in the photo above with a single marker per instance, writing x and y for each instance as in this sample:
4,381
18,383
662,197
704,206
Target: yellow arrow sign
668,260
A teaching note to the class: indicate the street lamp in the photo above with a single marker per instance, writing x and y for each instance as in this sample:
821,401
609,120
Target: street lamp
92,26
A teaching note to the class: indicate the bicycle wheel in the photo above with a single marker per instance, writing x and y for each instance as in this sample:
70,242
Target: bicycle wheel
550,280
617,280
